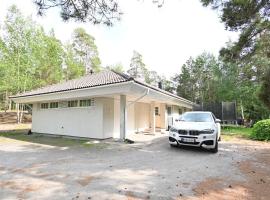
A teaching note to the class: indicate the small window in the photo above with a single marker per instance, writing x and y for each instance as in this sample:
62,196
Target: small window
85,103
44,105
156,111
73,103
63,104
54,105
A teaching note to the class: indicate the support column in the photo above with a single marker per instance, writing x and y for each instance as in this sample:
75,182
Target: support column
18,112
153,117
123,116
163,116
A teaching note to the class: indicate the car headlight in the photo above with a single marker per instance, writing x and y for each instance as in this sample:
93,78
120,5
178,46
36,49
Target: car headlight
172,129
207,131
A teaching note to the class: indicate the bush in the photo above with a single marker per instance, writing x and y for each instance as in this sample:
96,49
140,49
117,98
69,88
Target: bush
261,130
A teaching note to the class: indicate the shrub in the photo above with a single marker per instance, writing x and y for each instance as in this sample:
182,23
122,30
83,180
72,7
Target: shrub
261,130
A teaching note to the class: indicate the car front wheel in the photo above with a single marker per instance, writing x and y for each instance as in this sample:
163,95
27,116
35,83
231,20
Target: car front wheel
215,149
174,145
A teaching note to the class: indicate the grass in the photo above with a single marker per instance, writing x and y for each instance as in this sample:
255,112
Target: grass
231,131
47,140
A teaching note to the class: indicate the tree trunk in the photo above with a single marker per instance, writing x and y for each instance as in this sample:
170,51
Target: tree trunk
18,113
242,110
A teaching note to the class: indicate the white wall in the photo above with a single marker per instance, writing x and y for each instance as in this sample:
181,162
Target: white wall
79,121
130,119
163,116
142,116
116,129
108,117
137,118
99,121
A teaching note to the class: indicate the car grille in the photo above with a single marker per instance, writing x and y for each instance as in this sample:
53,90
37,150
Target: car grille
182,132
194,132
196,143
190,132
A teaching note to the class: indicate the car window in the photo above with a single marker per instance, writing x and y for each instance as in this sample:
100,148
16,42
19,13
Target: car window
214,117
196,117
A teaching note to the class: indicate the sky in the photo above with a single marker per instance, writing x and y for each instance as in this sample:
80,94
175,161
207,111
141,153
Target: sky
166,36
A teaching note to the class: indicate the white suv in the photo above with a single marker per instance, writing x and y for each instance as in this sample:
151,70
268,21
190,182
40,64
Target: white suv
200,129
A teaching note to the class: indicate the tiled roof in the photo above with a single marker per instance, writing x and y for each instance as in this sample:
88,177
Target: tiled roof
105,77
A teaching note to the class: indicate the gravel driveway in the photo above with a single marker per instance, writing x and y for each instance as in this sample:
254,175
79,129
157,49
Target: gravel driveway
240,170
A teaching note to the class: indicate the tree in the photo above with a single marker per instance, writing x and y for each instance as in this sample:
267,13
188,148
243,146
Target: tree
72,67
185,88
265,90
47,56
95,11
137,67
250,18
169,85
85,50
153,78
199,79
29,57
116,67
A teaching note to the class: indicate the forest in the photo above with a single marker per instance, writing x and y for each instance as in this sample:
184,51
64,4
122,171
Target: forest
31,58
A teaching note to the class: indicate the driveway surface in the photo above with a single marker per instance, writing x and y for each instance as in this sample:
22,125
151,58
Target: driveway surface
240,170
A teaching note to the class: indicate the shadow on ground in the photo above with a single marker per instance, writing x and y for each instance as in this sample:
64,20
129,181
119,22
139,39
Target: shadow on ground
126,171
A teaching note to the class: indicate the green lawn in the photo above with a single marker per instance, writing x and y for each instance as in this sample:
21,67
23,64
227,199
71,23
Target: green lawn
229,132
48,140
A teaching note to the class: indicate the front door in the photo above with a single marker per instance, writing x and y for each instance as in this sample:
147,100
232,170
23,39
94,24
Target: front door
157,115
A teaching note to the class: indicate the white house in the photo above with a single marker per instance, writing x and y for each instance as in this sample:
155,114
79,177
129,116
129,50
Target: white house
102,105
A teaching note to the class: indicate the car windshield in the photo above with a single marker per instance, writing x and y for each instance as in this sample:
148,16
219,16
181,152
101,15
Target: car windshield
196,117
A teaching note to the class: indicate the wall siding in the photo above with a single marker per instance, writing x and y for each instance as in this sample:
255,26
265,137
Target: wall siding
79,121
108,117
142,116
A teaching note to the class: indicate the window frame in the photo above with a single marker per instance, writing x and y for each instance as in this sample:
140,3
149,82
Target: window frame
54,103
46,107
72,101
85,101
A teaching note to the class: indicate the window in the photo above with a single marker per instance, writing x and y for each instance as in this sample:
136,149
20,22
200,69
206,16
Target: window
63,104
54,105
85,103
180,111
196,117
73,103
156,111
44,105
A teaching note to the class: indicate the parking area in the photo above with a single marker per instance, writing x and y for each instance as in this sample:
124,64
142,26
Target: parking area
149,169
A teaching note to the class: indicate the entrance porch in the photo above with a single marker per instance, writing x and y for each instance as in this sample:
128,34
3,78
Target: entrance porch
148,115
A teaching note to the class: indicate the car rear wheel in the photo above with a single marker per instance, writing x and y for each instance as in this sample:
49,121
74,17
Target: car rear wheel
215,149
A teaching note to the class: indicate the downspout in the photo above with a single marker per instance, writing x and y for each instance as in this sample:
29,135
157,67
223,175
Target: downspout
139,98
133,102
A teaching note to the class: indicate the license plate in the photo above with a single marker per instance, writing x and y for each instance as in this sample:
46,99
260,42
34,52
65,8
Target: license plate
191,140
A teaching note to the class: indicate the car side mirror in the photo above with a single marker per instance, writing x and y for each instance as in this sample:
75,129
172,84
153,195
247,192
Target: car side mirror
218,121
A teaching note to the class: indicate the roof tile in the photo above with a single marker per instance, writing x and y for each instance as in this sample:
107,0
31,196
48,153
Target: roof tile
102,78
